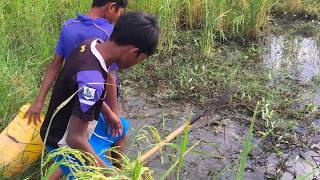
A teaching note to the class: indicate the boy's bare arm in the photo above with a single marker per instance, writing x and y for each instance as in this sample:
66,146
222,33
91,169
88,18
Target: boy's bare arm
110,109
48,79
77,138
112,119
111,92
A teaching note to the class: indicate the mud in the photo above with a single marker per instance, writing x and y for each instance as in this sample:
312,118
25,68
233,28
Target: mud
221,137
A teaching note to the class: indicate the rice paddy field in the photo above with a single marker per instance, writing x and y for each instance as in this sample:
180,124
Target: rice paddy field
257,61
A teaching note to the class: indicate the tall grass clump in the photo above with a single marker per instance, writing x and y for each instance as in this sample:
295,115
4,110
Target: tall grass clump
216,19
293,6
303,8
249,18
257,12
29,31
214,12
192,13
168,12
169,19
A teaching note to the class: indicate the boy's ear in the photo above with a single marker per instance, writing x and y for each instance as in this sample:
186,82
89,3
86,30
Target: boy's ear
113,7
134,50
110,6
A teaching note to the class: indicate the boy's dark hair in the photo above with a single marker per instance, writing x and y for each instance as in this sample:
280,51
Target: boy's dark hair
120,3
137,29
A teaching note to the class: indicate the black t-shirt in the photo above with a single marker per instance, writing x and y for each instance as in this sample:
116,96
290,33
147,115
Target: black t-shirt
83,77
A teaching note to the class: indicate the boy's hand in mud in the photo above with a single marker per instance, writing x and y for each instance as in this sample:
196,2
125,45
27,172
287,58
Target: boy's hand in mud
114,125
33,113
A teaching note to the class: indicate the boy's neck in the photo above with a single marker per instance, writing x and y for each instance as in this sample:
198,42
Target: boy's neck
95,13
106,51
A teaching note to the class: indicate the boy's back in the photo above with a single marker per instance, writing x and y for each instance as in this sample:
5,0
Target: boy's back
81,68
79,29
135,37
96,24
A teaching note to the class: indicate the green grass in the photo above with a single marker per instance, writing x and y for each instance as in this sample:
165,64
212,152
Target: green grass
30,30
192,64
220,19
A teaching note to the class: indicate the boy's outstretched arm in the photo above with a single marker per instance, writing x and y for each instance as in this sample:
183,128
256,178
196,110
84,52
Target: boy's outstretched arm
48,79
77,138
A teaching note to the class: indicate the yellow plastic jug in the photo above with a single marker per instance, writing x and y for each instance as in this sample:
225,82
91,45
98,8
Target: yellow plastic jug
20,144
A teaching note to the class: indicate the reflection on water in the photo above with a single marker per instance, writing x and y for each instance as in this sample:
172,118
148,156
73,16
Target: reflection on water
295,57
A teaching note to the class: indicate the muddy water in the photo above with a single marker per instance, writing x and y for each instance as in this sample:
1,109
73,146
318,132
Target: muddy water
221,136
297,58
220,140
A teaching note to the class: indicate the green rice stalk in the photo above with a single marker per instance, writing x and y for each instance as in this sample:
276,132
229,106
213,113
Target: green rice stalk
247,147
173,166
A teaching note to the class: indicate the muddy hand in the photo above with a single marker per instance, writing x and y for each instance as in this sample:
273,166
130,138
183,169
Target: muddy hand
33,113
114,126
117,129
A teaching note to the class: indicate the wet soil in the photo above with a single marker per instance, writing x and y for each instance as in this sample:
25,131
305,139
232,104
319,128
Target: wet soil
221,136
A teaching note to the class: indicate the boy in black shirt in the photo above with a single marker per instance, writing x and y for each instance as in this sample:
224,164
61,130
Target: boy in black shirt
135,37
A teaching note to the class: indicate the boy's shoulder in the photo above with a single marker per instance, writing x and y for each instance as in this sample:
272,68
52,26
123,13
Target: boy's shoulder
71,21
83,49
77,23
85,52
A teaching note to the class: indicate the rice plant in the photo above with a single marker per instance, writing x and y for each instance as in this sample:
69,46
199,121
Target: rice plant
293,6
132,170
247,147
298,7
192,13
88,169
214,14
257,17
